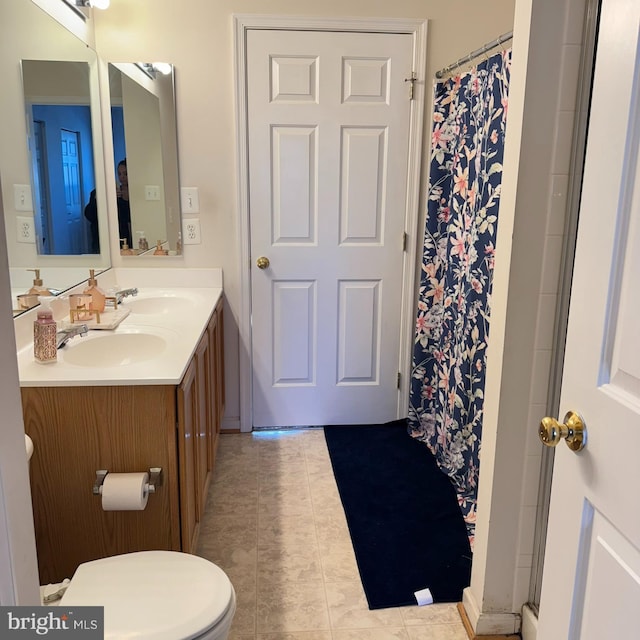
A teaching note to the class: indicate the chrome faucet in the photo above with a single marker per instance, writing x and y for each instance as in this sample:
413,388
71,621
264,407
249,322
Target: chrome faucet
64,335
121,295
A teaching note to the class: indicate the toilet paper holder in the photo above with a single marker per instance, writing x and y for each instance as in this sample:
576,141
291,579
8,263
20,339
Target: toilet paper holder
155,479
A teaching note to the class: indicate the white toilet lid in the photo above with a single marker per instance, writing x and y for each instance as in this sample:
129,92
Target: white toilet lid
154,595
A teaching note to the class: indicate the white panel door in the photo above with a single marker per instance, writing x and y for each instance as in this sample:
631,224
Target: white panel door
69,229
328,119
591,581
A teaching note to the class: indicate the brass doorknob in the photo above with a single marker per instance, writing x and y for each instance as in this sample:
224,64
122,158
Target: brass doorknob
573,430
262,262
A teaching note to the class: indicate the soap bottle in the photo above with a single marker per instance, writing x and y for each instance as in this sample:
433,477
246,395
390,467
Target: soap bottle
126,249
97,294
37,288
45,346
159,251
143,245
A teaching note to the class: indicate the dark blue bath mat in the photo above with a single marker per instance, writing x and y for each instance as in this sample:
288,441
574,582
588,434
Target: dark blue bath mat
406,527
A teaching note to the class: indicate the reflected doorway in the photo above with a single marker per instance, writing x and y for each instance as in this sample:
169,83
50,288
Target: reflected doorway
72,178
41,186
64,177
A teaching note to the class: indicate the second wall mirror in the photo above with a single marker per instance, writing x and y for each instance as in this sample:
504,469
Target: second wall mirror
143,122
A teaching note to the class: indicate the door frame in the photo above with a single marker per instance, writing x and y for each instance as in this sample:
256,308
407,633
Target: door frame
417,28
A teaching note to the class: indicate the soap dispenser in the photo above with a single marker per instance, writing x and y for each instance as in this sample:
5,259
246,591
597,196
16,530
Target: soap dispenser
45,347
143,244
126,249
97,294
37,288
159,251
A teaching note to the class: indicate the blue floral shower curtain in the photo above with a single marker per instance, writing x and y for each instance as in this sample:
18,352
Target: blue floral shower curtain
452,326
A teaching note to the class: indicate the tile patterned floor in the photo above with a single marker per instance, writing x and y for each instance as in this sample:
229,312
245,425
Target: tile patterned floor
274,522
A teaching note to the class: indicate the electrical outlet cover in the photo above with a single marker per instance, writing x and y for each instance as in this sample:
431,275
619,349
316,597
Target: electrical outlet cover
25,230
191,231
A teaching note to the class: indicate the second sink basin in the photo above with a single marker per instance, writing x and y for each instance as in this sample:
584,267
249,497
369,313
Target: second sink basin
126,346
158,304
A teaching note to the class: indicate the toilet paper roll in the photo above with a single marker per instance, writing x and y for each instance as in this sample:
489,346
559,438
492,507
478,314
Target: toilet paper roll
424,597
125,491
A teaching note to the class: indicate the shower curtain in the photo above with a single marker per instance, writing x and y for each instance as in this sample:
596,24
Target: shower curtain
452,326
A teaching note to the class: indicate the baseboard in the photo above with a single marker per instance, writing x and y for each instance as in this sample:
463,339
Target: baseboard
529,624
472,635
230,425
487,626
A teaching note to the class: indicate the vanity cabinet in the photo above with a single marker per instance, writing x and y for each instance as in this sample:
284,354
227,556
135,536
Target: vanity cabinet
131,428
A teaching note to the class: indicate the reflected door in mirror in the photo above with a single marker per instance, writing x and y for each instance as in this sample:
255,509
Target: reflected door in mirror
57,99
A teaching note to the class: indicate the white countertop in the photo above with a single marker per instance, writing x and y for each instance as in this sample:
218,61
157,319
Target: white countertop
153,345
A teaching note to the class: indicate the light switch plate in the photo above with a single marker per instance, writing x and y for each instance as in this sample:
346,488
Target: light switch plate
151,192
189,200
22,200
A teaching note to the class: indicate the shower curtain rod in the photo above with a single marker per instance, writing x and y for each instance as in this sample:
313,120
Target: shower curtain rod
475,54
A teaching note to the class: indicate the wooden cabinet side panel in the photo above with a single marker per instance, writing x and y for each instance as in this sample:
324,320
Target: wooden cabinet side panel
220,361
203,422
187,456
213,402
77,431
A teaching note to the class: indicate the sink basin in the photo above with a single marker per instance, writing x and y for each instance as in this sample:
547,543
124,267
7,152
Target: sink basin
101,349
158,304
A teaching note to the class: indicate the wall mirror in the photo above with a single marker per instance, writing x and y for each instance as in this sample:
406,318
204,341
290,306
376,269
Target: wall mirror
57,98
143,123
50,98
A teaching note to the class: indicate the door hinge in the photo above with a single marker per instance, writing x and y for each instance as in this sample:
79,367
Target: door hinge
398,379
412,81
404,241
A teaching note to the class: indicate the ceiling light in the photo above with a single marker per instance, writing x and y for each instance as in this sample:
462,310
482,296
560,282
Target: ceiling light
162,67
152,69
96,4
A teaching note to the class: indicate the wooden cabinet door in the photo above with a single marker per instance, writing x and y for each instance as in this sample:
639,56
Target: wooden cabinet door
187,443
79,430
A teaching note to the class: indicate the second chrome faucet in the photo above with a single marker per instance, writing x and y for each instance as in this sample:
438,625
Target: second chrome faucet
121,295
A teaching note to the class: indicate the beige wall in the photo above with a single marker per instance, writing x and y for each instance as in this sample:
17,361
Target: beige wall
197,38
144,160
18,566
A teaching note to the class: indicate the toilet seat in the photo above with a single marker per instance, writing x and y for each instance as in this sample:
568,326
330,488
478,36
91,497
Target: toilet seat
153,595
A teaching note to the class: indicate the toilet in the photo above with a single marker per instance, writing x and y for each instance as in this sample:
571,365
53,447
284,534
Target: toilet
154,595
